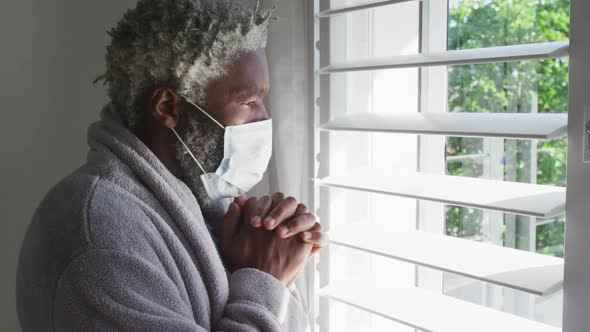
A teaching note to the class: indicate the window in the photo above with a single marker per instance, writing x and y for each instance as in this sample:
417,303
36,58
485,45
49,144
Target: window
440,164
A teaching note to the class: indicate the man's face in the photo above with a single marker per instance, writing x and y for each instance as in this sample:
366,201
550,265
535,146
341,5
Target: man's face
237,98
233,100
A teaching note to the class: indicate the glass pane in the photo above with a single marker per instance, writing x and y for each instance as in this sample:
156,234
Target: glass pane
350,269
544,236
345,318
351,209
544,309
353,270
367,33
345,3
527,161
513,87
550,237
488,23
383,152
382,91
510,87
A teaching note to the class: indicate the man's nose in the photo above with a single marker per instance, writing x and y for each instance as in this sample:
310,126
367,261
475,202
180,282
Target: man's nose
262,114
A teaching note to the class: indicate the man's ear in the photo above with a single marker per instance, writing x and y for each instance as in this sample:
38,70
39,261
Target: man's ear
165,106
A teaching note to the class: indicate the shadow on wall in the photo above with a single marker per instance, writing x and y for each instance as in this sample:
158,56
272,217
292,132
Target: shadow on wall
51,53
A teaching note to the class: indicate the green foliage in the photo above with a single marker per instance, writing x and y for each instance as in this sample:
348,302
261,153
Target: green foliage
515,87
551,162
463,222
550,238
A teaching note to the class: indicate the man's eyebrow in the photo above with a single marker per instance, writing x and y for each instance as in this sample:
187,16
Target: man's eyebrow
250,91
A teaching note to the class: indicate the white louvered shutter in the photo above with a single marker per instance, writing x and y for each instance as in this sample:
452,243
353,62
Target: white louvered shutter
381,189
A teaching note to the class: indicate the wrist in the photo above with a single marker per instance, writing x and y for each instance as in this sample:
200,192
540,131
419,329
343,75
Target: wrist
275,273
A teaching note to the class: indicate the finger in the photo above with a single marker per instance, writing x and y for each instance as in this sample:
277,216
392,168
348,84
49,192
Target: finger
317,227
250,209
318,238
228,225
276,198
241,200
301,209
263,207
314,250
284,210
322,243
296,225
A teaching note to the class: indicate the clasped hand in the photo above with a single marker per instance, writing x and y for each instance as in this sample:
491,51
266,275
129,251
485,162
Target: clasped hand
273,234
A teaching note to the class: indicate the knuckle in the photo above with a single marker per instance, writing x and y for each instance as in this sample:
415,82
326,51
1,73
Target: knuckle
296,223
291,200
303,222
317,237
263,202
278,195
280,210
309,217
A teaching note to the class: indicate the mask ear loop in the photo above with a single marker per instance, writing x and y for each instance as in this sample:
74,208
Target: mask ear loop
202,110
188,150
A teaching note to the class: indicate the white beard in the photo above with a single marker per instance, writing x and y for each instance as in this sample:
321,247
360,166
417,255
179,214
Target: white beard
205,140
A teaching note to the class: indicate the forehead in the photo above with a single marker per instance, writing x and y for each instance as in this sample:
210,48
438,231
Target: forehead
250,71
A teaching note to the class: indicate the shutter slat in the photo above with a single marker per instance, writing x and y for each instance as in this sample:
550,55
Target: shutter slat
353,8
508,125
511,197
550,50
526,271
429,311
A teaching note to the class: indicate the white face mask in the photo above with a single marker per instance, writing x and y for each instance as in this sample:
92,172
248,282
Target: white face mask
247,150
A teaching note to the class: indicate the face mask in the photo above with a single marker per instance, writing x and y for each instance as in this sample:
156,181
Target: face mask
246,152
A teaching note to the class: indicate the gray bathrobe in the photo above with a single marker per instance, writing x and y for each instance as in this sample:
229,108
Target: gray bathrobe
121,244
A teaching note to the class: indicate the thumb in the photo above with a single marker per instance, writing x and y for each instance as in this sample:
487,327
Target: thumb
228,225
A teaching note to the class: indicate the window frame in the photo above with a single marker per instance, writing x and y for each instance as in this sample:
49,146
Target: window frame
575,301
576,296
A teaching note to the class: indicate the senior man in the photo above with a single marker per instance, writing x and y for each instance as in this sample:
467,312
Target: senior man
153,232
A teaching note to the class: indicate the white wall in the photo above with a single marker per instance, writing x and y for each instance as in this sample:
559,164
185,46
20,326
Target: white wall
51,52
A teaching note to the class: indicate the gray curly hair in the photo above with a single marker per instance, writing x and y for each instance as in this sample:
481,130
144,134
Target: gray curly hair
181,44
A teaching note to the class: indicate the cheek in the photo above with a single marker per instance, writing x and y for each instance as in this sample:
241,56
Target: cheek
235,114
